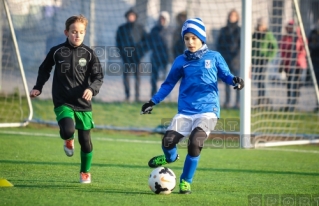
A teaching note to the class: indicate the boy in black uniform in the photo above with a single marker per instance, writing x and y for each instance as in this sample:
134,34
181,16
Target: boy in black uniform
77,77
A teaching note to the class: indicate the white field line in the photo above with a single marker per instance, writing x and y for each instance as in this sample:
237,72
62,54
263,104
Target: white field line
144,141
96,138
290,150
29,134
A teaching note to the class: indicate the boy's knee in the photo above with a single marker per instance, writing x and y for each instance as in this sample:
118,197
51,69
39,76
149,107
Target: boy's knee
67,133
67,129
196,141
171,138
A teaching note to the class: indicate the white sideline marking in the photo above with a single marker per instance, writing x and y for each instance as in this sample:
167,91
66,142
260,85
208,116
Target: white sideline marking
127,140
144,141
97,138
290,150
29,134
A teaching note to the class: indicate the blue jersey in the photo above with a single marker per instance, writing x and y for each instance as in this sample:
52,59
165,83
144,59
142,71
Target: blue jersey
198,91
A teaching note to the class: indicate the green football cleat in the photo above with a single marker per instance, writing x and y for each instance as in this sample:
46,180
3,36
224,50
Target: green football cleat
184,187
158,161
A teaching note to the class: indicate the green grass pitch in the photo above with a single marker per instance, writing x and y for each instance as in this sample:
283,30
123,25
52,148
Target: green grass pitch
33,160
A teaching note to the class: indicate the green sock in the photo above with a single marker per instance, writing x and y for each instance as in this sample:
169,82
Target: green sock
86,160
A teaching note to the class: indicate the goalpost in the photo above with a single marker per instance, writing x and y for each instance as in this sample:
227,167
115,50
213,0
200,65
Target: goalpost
16,109
245,96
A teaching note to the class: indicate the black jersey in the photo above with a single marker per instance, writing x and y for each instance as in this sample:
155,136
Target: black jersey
76,69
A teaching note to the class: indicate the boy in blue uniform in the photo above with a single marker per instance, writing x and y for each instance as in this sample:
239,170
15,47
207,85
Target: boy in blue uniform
198,101
77,77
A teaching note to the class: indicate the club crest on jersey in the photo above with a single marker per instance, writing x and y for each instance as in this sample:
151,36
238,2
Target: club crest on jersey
82,62
207,64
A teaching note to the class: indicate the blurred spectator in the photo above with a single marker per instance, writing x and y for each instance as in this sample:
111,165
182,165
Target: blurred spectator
228,45
264,49
158,42
313,43
293,61
131,40
178,41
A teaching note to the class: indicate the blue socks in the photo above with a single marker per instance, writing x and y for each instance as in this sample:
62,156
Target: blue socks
189,169
190,163
170,154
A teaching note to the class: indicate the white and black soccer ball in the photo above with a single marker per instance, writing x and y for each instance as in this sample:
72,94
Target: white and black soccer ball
162,180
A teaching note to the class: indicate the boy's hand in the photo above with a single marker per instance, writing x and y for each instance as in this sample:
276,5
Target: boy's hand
239,83
34,93
87,95
147,107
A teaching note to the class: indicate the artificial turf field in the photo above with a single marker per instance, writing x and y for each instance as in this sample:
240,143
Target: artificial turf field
33,160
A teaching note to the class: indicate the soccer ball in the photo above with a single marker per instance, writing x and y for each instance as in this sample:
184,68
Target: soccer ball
162,180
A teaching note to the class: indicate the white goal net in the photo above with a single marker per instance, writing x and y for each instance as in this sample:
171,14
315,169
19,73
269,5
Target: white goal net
284,91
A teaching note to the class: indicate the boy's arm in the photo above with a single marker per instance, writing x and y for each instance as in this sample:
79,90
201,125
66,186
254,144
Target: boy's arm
174,75
96,75
44,71
223,71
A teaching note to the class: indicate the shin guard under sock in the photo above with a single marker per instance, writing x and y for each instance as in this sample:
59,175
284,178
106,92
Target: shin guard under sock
170,154
189,169
86,160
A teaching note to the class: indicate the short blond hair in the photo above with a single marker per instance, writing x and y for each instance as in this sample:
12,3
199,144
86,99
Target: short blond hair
76,18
